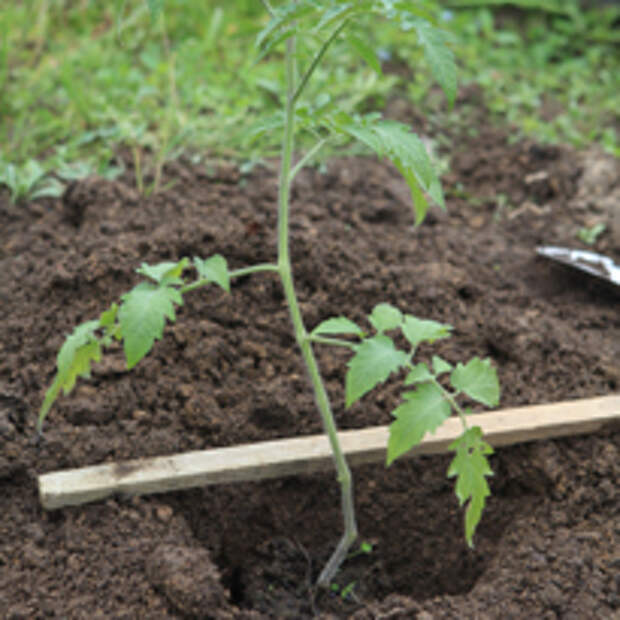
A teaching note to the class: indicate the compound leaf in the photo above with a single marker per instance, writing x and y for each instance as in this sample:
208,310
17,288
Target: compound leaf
423,411
418,374
142,317
337,325
74,359
374,360
477,379
404,148
439,56
385,317
471,468
214,269
167,272
419,330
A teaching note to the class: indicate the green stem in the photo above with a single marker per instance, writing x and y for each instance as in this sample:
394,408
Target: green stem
316,60
236,273
453,402
320,394
306,158
336,342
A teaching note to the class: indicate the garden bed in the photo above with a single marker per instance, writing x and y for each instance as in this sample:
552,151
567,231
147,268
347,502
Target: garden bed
228,372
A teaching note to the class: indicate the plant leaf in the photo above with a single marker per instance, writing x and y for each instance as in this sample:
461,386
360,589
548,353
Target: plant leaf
47,188
337,325
439,56
73,360
423,411
374,360
471,467
440,365
214,269
418,374
385,317
142,317
403,147
167,272
477,379
419,330
365,52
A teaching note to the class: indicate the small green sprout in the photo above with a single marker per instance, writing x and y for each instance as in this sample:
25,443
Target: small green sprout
591,234
29,182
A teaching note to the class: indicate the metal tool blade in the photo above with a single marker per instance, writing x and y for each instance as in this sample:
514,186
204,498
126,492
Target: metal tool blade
590,262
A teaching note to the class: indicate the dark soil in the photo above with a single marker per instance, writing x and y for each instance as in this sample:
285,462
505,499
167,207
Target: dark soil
228,372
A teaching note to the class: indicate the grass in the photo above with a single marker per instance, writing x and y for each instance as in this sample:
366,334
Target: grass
76,82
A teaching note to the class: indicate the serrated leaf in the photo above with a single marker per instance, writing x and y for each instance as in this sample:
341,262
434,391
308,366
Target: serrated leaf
73,360
337,325
423,411
418,374
407,149
142,317
440,365
420,204
214,269
385,317
401,146
471,467
108,317
374,360
168,272
365,52
439,56
420,330
477,379
107,321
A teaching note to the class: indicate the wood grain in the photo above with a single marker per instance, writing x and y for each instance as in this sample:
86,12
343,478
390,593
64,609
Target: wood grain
302,455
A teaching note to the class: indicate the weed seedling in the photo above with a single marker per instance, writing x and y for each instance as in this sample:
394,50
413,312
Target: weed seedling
29,182
432,390
590,235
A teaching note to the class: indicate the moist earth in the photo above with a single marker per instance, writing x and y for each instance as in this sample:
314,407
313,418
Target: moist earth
228,372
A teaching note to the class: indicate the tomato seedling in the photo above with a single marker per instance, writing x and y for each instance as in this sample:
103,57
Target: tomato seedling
139,320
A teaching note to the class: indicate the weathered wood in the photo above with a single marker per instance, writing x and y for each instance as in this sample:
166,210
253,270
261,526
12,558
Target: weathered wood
302,455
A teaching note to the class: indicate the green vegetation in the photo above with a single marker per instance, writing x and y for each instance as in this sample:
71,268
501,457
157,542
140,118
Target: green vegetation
308,28
78,81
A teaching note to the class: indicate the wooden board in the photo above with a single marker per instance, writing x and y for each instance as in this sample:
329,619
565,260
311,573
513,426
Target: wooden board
302,455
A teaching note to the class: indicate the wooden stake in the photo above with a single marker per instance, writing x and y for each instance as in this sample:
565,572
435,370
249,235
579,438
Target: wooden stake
303,455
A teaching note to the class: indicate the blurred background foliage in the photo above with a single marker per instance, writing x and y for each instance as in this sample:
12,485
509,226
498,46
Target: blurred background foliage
80,79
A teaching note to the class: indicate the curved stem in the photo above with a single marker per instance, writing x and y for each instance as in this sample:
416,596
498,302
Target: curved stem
316,60
335,342
455,405
236,273
301,335
307,157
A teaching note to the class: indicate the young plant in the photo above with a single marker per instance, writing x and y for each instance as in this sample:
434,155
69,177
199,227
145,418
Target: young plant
29,181
140,317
